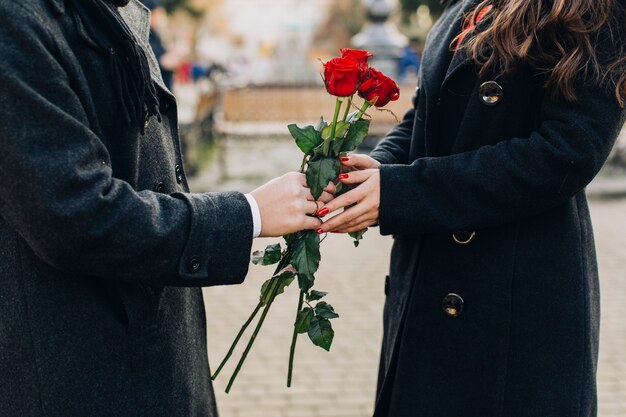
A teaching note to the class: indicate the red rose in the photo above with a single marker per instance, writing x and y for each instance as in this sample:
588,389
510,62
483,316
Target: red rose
342,76
361,57
379,89
358,55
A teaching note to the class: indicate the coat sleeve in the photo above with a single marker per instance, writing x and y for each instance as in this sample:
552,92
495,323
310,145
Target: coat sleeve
507,182
58,193
394,148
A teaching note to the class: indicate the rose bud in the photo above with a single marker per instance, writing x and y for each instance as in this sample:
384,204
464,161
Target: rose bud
342,76
379,89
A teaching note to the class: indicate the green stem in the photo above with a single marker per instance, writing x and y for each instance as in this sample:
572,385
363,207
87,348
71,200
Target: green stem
333,128
284,262
345,115
294,338
236,341
253,338
363,109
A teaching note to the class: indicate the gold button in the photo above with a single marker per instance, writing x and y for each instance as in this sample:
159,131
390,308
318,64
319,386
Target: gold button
463,238
490,93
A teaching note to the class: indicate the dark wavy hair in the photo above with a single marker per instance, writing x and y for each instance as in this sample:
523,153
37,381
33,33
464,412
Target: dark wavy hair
565,40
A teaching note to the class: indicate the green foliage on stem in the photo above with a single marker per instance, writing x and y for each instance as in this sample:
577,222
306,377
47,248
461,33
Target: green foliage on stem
276,285
307,138
320,171
357,236
303,320
325,311
321,333
269,256
356,134
315,295
306,258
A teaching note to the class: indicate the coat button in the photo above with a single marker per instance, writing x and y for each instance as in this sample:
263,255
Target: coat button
159,187
179,174
194,264
463,238
490,93
452,305
146,122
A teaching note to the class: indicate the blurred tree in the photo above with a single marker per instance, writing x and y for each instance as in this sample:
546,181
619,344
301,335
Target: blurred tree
172,5
410,6
345,19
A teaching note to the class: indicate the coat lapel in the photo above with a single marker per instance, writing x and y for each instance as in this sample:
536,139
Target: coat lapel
460,58
137,17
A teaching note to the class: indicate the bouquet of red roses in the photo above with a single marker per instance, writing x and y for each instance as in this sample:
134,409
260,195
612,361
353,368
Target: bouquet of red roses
322,146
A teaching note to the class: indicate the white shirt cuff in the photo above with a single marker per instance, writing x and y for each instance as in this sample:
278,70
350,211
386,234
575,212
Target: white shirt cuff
256,215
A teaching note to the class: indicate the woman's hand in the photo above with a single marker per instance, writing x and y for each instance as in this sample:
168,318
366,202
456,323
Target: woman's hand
362,203
358,162
287,206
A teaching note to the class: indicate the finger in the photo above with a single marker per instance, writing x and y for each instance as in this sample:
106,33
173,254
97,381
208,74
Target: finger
359,161
311,223
312,207
331,188
367,219
326,197
354,228
341,220
346,199
357,177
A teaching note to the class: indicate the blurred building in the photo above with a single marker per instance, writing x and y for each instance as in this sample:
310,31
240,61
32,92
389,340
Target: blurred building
261,41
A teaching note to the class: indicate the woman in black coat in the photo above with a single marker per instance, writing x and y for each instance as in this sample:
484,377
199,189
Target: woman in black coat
492,300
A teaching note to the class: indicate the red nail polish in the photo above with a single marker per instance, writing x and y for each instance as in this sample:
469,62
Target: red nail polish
343,176
343,159
323,212
319,231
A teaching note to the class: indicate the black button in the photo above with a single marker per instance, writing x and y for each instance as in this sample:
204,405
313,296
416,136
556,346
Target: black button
490,93
159,187
194,264
165,106
452,305
179,174
463,237
387,285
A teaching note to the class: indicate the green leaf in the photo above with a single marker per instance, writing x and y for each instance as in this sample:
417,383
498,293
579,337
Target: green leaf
305,258
357,133
320,171
303,320
277,283
307,138
326,132
269,256
325,311
357,236
337,145
316,295
290,238
321,333
321,125
351,116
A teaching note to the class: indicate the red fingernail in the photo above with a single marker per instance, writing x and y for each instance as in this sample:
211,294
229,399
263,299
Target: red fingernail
323,212
319,231
343,176
342,159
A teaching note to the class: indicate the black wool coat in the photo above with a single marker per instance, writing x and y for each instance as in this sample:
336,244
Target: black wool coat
102,247
492,303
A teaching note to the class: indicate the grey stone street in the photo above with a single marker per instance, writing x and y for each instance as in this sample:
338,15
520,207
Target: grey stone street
341,383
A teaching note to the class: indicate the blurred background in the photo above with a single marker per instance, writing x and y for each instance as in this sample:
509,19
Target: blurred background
244,69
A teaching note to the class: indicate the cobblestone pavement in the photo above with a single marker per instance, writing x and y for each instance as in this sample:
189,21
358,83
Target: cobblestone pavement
341,383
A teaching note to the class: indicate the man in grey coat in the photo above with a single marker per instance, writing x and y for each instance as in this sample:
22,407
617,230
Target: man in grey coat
102,247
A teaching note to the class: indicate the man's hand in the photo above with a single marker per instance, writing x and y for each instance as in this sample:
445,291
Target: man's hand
287,206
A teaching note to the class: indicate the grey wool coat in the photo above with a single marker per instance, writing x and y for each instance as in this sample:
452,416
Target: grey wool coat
492,303
102,247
